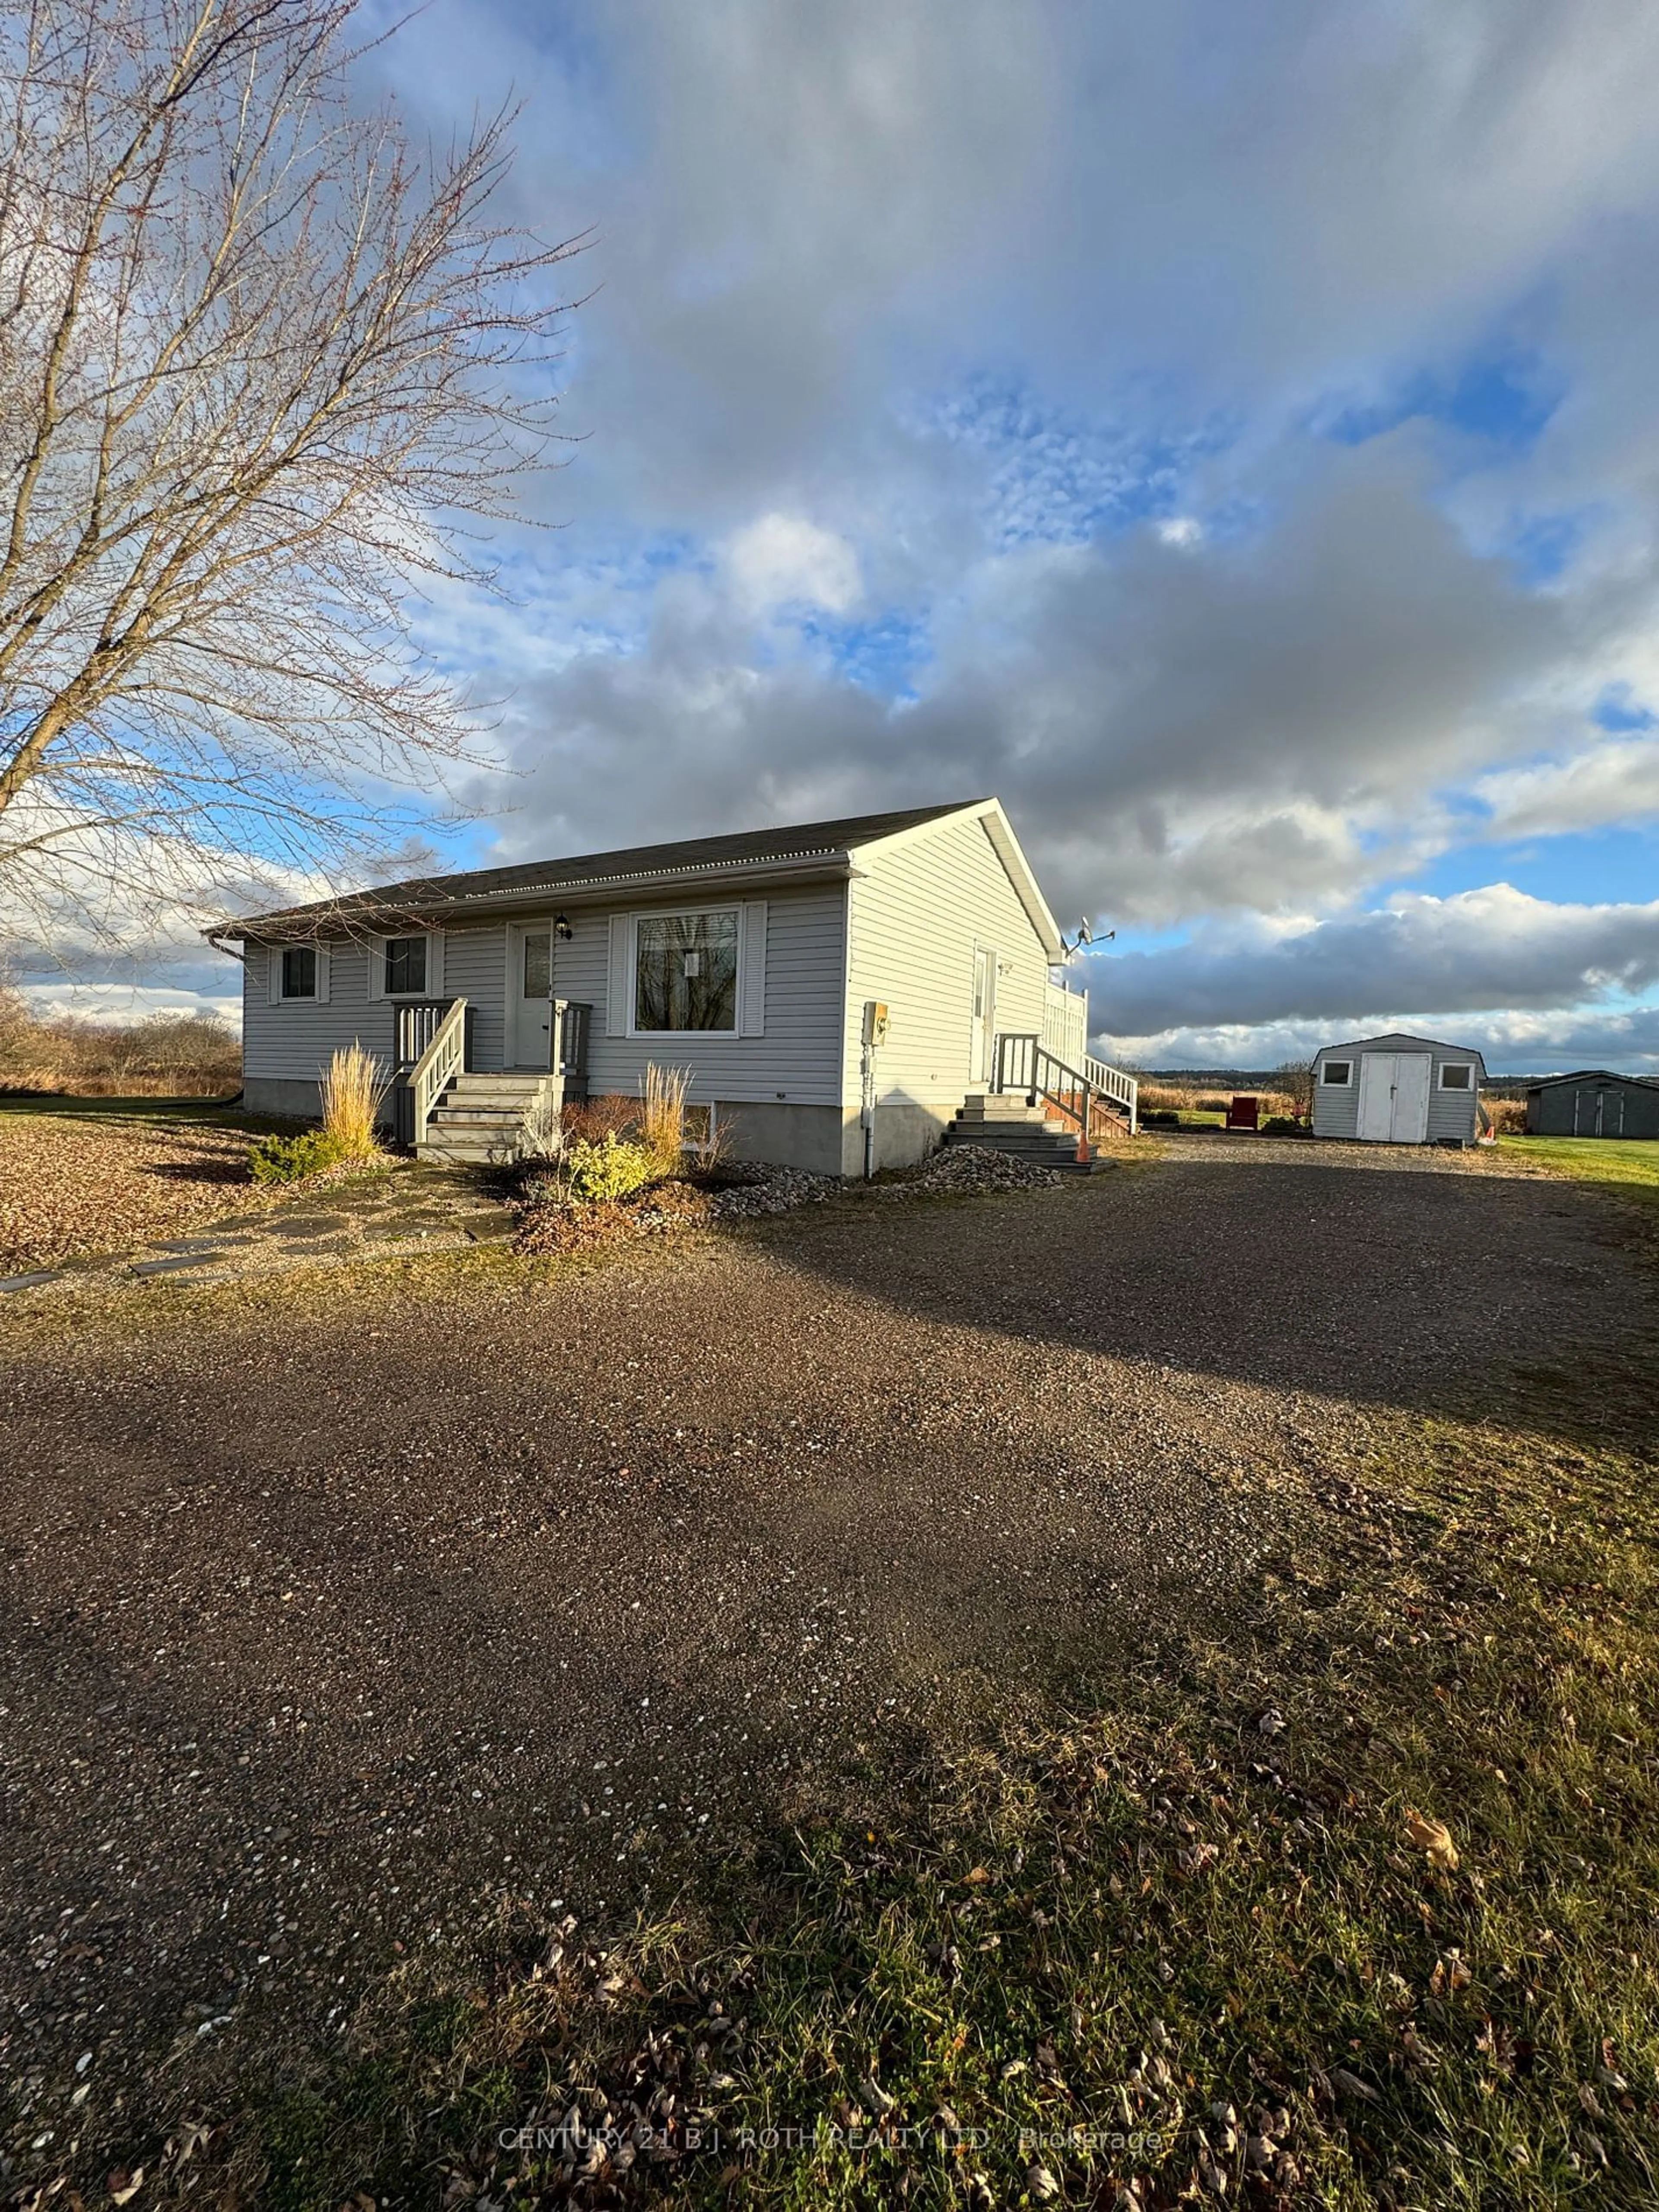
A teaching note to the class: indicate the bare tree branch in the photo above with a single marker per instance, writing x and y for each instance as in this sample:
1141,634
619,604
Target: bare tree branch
265,370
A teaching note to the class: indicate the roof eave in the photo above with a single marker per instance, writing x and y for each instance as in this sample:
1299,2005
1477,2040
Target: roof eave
361,911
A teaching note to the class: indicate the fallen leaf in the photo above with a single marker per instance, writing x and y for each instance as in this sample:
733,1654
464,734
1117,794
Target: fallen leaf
977,1875
1433,1837
123,2186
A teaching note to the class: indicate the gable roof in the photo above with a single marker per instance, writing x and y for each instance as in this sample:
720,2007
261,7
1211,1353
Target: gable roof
1593,1075
1397,1040
792,852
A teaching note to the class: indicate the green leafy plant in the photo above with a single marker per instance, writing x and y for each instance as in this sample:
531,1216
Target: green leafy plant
608,1167
1283,1125
289,1160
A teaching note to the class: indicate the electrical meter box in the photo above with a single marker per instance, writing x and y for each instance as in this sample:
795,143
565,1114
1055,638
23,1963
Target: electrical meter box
875,1021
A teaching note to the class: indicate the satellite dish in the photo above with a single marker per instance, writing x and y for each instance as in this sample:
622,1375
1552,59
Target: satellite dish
1084,934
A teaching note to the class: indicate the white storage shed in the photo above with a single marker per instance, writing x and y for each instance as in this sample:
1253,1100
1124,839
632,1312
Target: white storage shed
1398,1090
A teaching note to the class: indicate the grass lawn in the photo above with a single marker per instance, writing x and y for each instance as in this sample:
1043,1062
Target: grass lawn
214,1112
1633,1166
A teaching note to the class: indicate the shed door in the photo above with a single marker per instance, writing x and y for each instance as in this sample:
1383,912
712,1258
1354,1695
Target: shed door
1376,1095
1411,1097
1393,1097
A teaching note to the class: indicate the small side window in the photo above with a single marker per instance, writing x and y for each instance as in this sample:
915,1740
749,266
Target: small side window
299,971
406,967
1336,1073
1455,1075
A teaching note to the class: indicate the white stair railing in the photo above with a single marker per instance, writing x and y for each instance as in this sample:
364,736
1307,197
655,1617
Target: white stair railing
437,1067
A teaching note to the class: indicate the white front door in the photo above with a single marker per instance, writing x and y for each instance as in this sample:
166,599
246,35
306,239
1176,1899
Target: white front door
985,998
1393,1097
530,1006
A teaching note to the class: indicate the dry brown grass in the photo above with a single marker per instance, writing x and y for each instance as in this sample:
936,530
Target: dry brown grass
167,1056
1169,1094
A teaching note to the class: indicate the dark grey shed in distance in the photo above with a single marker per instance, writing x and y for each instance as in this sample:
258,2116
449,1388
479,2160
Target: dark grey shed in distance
1398,1090
1593,1102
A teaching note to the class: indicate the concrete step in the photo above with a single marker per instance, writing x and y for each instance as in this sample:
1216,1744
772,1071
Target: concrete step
1046,1144
463,1156
473,1078
502,1121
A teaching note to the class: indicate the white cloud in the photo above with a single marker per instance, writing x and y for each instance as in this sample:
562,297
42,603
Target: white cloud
784,560
1417,959
1615,783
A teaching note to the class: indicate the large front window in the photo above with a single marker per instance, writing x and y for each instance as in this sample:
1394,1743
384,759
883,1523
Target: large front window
685,971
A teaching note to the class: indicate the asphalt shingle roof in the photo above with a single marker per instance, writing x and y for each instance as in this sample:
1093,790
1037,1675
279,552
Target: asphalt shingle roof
688,856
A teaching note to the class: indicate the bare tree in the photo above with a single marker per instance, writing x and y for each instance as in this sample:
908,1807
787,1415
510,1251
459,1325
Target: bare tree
265,368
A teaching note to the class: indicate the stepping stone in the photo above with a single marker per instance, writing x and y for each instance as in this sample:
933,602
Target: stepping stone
214,1244
172,1267
490,1232
27,1282
286,1229
305,1247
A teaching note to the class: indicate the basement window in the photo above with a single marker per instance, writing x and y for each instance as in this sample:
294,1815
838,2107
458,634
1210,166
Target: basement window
1337,1074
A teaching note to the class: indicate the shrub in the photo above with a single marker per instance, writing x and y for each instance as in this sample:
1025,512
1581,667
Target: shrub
353,1088
608,1168
1284,1125
593,1118
287,1159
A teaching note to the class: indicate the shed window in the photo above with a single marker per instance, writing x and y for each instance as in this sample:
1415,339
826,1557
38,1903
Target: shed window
1455,1075
406,967
299,971
685,971
1337,1072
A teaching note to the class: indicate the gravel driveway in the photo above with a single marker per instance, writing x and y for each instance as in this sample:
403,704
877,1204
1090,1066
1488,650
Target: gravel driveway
327,1616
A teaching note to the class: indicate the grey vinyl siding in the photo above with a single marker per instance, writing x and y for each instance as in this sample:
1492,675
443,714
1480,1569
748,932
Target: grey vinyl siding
475,969
796,1059
1453,1114
917,913
296,1039
1336,1106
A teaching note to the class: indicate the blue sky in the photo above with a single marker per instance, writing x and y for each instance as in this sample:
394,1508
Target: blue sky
1225,431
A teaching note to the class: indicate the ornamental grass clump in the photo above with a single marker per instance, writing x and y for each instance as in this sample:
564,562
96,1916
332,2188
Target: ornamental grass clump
662,1116
354,1088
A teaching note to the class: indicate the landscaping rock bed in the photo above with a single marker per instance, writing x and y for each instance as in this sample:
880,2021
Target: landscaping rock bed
740,1191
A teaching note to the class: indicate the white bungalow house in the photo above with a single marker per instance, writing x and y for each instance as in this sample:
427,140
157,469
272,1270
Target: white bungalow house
836,992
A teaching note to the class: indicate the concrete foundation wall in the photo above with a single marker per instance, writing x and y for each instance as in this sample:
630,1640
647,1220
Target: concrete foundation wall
298,1096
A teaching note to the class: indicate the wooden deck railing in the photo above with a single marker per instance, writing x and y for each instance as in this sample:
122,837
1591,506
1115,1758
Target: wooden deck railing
572,1020
1085,1096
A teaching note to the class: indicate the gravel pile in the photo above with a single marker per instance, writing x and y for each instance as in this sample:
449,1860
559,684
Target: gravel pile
966,1169
777,1190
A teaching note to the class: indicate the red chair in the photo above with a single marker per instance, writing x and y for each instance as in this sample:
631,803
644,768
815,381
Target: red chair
1243,1114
